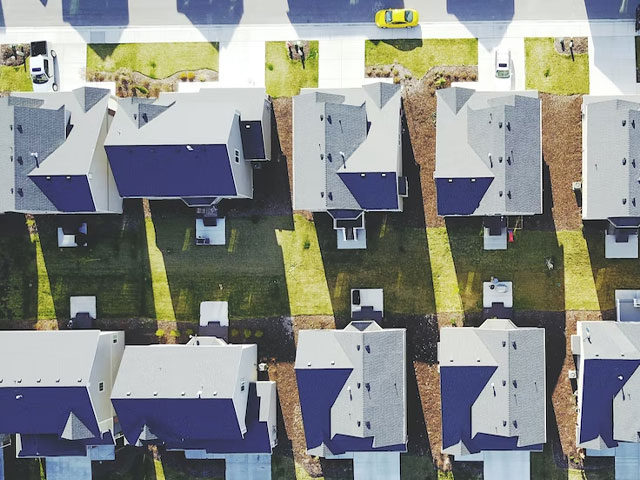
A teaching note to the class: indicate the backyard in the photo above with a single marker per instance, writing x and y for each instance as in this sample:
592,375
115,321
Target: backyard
285,73
550,69
152,66
418,56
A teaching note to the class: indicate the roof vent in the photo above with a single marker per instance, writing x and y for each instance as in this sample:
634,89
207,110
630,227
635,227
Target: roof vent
321,194
19,397
367,385
515,383
624,201
473,180
509,159
633,123
357,347
624,122
367,348
128,394
20,192
19,127
509,126
79,379
504,383
515,347
333,362
321,117
329,157
19,380
215,394
633,163
362,174
368,424
182,394
190,148
624,161
322,156
20,159
357,384
308,364
330,196
499,159
504,343
342,155
509,193
620,377
451,180
155,394
499,124
359,423
38,380
57,380
500,193
515,423
504,423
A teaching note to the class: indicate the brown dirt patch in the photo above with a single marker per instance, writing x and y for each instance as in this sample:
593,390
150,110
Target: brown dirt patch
419,99
580,45
136,84
282,108
562,152
14,55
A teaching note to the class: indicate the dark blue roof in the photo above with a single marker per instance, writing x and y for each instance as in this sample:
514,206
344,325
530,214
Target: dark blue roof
600,385
460,387
68,194
171,170
252,141
460,196
50,445
318,390
192,423
44,410
373,191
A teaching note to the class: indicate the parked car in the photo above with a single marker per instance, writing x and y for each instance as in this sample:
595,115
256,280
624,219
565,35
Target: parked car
43,75
503,63
397,18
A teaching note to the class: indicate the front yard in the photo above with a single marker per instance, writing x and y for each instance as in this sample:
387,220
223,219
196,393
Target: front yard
285,74
419,56
14,68
549,71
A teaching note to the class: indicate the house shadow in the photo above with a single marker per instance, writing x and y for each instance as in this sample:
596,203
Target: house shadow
113,267
470,12
337,11
609,274
18,274
248,271
2,24
206,12
610,9
83,13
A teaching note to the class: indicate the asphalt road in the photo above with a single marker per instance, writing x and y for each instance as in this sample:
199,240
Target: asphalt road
26,13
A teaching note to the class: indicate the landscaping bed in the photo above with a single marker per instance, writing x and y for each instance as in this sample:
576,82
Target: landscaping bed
549,71
285,72
14,68
145,69
409,58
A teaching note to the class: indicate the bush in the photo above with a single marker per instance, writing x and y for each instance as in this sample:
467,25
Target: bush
270,66
441,82
234,332
143,90
307,244
175,333
183,76
247,333
188,332
160,333
191,76
259,334
547,72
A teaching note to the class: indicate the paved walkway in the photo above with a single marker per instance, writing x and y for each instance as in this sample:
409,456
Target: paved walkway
611,47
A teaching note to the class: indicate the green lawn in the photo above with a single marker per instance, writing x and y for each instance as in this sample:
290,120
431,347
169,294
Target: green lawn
420,56
285,77
396,259
15,79
156,60
637,52
523,263
548,71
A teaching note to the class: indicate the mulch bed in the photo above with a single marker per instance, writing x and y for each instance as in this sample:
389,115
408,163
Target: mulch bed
580,45
14,55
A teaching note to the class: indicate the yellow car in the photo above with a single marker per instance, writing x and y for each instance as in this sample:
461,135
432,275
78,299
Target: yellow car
397,18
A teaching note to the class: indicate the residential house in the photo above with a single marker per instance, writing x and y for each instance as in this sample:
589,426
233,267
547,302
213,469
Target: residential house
352,387
55,389
198,147
492,381
347,156
610,170
54,161
607,357
489,158
202,398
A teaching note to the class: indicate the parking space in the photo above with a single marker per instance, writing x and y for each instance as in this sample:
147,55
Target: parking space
241,64
486,63
341,63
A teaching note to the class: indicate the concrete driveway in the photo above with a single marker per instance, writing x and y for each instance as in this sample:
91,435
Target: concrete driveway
486,64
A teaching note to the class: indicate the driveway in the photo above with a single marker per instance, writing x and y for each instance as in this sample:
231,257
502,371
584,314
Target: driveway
486,64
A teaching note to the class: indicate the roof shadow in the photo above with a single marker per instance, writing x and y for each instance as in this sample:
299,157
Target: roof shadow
95,12
469,11
338,11
610,9
205,12
1,16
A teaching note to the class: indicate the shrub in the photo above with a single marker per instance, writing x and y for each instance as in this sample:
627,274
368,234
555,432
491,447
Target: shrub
202,78
191,76
547,72
247,333
153,64
143,90
188,332
441,82
259,334
270,66
183,76
307,244
175,333
160,333
234,332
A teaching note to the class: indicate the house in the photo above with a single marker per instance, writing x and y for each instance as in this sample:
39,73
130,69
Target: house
489,158
198,147
347,156
57,404
352,388
202,398
610,170
54,161
492,381
607,357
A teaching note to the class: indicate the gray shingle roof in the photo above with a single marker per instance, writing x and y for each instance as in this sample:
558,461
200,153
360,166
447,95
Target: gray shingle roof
353,130
492,135
40,126
611,157
374,392
512,403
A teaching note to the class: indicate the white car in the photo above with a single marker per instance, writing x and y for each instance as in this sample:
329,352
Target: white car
503,63
43,76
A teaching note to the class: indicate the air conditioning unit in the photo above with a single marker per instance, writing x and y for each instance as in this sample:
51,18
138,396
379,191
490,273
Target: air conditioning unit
572,374
263,367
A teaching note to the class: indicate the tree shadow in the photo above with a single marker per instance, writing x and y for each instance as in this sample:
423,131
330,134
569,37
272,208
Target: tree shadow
337,11
18,274
114,267
248,271
206,12
403,44
95,12
544,221
104,50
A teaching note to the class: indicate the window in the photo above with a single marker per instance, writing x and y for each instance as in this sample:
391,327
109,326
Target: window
101,386
242,385
236,155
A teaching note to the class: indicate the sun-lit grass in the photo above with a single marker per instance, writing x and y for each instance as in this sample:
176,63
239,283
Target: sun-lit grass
579,285
420,55
156,60
443,272
15,79
46,307
548,71
285,77
304,270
